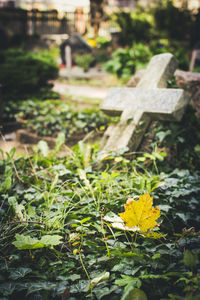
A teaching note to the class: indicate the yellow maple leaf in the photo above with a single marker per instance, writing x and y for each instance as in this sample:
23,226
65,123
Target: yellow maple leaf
140,213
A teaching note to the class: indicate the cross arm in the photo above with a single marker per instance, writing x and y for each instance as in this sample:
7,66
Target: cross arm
164,104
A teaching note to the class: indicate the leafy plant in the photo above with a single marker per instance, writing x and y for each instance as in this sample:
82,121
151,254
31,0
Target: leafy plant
58,216
84,61
102,42
26,242
178,141
134,27
47,118
54,240
169,20
125,61
179,50
24,74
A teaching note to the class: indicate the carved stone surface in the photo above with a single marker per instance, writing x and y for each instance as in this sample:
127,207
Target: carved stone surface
165,104
138,106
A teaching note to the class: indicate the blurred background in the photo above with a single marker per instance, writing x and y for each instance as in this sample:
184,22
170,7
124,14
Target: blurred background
97,43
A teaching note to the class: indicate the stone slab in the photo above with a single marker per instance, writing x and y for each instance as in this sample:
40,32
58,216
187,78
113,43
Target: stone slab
159,70
163,104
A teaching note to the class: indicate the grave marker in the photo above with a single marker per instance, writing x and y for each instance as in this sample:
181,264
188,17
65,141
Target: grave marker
138,106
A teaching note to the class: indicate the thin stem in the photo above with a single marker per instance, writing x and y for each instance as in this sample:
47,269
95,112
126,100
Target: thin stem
79,252
130,244
104,237
84,268
34,172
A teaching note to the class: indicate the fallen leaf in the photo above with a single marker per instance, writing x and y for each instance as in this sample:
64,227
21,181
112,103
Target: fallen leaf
140,213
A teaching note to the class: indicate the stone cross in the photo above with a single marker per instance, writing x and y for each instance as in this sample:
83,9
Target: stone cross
138,106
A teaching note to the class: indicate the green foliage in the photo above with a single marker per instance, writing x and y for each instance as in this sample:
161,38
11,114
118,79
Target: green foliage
134,27
84,61
165,28
142,55
173,22
22,41
122,63
54,242
47,118
26,242
102,42
182,55
178,49
190,260
102,49
125,61
53,51
25,74
134,293
181,144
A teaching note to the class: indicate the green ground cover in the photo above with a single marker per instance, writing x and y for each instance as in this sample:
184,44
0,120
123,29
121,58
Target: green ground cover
56,238
56,243
49,117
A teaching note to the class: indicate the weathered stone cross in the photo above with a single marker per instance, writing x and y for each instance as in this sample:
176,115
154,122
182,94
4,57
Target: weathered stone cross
138,106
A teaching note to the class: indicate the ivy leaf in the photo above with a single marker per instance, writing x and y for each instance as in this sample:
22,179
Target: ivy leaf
140,213
74,277
190,259
27,242
20,273
8,179
128,280
51,240
101,292
7,288
134,293
39,286
161,135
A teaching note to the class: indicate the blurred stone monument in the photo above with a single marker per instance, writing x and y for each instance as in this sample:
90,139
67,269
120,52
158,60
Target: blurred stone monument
74,44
